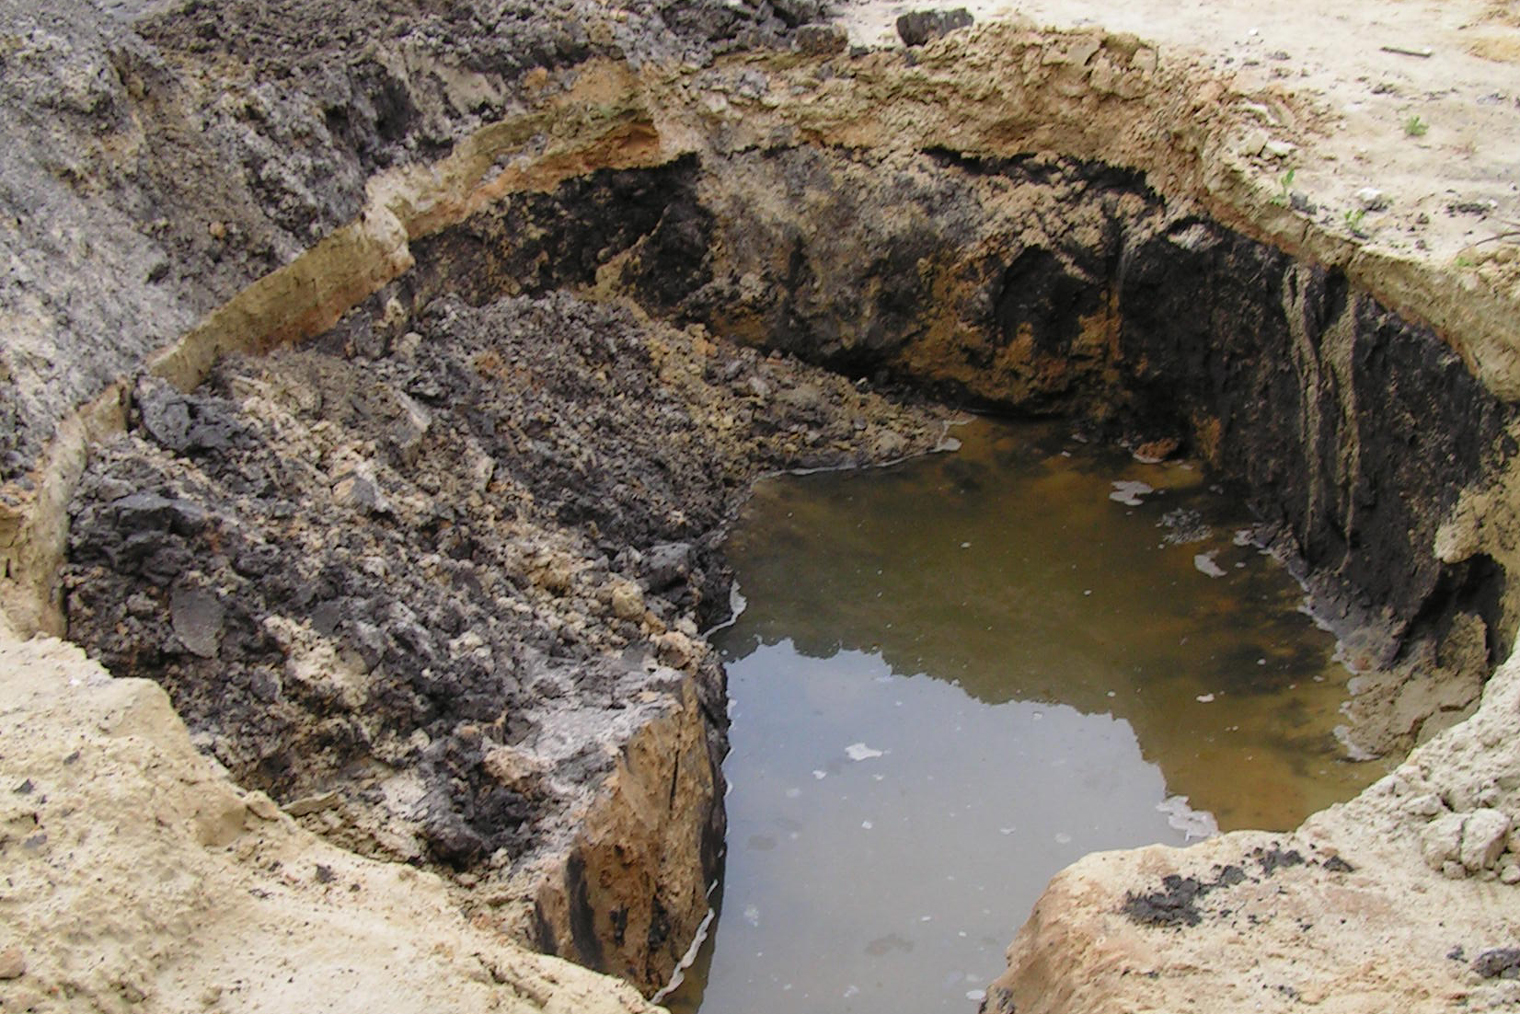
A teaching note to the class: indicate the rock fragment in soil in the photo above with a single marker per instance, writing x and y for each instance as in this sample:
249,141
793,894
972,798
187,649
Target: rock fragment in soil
919,27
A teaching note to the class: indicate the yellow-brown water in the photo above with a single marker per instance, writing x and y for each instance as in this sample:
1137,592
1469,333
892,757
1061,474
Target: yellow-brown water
957,675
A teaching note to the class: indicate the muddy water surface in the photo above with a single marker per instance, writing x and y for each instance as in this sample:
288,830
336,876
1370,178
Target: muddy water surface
956,676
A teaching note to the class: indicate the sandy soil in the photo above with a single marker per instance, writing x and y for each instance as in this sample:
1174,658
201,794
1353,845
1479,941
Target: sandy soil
1448,188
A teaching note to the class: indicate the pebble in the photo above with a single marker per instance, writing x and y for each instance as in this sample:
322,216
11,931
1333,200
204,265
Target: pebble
1371,199
197,615
676,649
1483,837
12,963
1441,841
261,806
312,804
627,601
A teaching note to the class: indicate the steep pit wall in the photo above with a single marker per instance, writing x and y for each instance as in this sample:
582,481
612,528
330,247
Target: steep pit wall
1051,286
139,877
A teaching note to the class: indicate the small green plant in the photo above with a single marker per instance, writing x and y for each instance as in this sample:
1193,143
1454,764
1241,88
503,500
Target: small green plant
1464,261
1354,218
1415,127
1284,197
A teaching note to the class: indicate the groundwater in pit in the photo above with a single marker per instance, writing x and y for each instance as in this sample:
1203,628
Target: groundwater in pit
960,674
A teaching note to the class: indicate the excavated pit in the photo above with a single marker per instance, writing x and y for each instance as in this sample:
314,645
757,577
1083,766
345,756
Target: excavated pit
435,580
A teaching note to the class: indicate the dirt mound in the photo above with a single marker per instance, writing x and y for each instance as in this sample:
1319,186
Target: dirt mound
139,878
447,569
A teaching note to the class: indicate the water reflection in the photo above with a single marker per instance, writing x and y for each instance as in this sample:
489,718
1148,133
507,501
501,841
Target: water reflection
888,832
958,675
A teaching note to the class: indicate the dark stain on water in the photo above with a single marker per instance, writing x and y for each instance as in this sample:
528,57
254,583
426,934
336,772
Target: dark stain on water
957,675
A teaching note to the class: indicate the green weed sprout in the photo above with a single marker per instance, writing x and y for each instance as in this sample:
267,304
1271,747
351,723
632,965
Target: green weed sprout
1285,183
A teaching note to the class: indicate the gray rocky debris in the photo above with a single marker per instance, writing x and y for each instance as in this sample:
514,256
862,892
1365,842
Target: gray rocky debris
197,616
821,40
408,561
919,27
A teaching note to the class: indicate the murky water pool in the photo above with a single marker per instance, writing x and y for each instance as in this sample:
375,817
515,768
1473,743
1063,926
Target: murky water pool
959,674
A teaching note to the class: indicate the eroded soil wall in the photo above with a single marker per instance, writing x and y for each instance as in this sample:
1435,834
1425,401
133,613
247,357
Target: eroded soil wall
1052,286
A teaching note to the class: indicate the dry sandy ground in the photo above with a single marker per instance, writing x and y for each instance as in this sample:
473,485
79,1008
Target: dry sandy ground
1452,185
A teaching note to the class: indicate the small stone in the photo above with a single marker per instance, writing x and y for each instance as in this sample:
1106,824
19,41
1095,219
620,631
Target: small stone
1279,149
312,804
515,769
1453,871
676,649
217,230
805,400
1498,962
1153,452
1371,199
1510,874
410,427
667,564
888,446
821,40
141,606
1252,143
197,615
919,27
1441,841
360,492
627,601
407,345
12,963
1483,838
261,806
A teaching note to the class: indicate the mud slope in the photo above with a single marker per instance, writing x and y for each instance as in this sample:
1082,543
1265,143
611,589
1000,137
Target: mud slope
443,586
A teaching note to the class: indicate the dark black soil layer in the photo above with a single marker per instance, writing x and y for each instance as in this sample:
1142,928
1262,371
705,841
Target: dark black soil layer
1070,288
